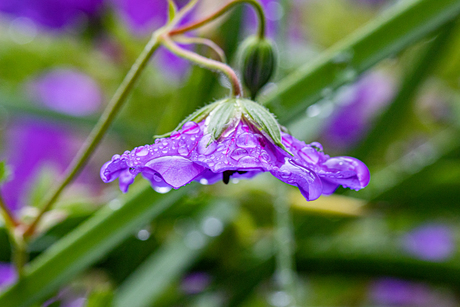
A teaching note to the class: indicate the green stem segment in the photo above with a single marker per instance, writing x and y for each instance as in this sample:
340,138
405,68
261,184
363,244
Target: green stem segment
284,243
101,127
237,90
10,221
255,4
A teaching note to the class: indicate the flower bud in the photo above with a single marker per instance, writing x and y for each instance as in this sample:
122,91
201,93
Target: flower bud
258,60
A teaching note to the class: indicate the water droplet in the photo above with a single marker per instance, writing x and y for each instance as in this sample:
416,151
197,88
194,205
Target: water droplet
191,128
115,157
157,178
204,148
264,156
239,153
212,226
155,149
164,143
175,135
183,151
204,181
248,160
162,190
193,138
143,235
164,151
246,140
309,154
143,152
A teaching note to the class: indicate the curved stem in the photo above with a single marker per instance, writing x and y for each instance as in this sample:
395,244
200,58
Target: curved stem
255,4
10,221
237,89
203,41
100,129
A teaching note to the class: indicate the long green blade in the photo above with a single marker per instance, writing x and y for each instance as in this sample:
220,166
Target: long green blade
87,244
387,35
152,278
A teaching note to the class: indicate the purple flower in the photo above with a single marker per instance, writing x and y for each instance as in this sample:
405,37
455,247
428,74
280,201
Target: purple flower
358,106
242,150
396,292
55,14
67,91
142,17
7,275
430,242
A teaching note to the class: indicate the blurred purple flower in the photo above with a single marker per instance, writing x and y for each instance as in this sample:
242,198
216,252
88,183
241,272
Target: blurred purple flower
142,17
396,292
430,242
67,91
50,145
357,107
7,275
241,151
54,14
195,283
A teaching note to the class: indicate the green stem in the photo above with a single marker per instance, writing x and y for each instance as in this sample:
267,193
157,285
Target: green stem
19,254
101,127
10,221
237,90
284,246
255,4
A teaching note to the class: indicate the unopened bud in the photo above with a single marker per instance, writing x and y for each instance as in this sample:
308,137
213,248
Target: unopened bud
258,61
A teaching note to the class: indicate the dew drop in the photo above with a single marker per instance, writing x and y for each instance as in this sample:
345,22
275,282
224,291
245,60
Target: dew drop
191,128
183,151
239,153
115,157
248,160
175,135
309,154
246,140
164,151
143,152
164,143
264,156
162,190
204,148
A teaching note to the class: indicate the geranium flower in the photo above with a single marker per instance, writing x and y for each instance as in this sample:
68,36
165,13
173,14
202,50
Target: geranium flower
235,138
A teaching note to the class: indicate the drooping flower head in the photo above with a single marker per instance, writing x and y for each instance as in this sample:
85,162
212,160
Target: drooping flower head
235,138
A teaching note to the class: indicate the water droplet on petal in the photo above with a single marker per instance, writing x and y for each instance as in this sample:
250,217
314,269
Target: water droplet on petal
248,160
191,128
309,154
239,153
264,156
143,152
246,140
204,148
175,135
115,157
183,151
157,178
162,190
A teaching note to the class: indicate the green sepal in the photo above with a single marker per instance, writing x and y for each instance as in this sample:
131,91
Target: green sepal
196,116
220,117
5,172
172,10
265,120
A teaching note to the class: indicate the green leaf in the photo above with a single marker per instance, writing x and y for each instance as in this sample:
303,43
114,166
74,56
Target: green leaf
220,118
100,298
88,243
172,10
199,114
393,31
162,268
264,119
5,172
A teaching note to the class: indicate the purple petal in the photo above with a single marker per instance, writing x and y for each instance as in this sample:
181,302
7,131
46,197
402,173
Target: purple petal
7,275
430,242
67,91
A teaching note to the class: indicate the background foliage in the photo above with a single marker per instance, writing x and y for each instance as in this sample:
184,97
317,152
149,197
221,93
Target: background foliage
378,80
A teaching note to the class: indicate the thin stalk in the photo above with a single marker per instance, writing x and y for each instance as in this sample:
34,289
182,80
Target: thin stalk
100,129
10,221
284,242
203,41
255,4
237,89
